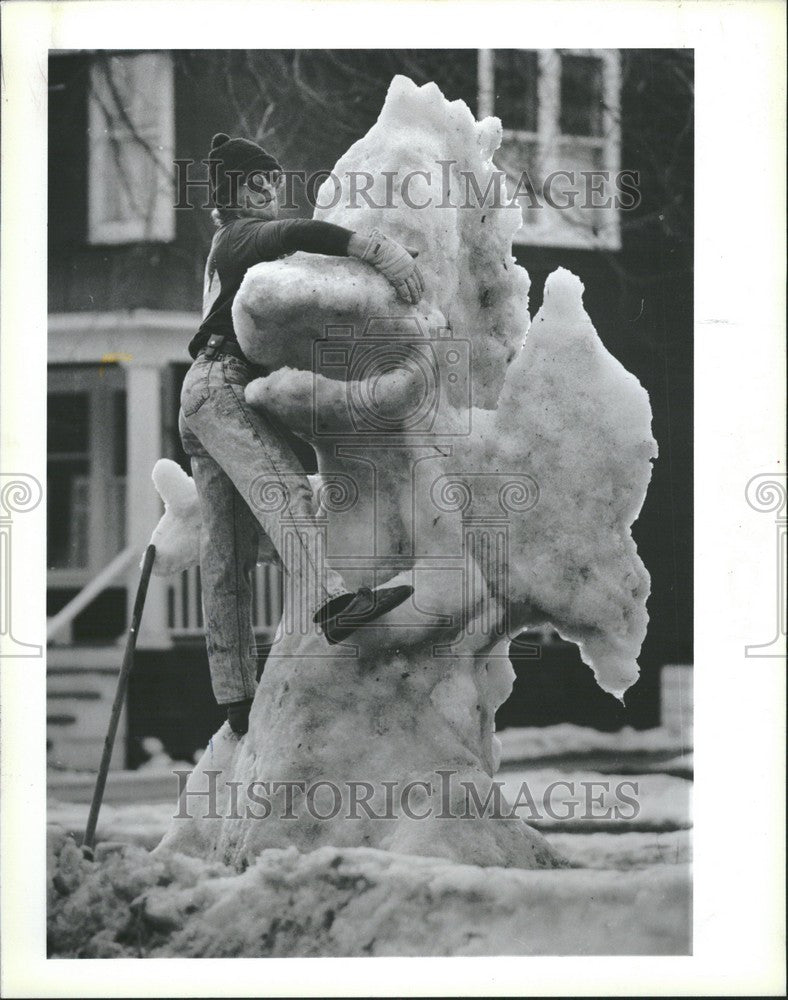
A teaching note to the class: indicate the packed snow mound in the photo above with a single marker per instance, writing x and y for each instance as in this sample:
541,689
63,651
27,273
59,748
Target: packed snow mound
567,415
625,851
352,902
565,458
580,424
418,763
497,469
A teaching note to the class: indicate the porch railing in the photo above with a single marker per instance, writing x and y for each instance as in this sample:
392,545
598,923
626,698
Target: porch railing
57,624
184,602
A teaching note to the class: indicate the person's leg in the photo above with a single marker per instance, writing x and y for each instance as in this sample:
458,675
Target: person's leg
255,455
228,553
253,452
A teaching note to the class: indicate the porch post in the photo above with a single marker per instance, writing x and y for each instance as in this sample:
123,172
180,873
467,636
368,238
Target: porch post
143,506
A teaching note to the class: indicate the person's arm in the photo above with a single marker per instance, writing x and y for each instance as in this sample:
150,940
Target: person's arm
356,245
314,236
396,263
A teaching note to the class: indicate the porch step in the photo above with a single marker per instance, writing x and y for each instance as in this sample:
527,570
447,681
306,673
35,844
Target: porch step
81,683
122,786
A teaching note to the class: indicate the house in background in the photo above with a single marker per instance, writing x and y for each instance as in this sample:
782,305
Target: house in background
561,113
125,281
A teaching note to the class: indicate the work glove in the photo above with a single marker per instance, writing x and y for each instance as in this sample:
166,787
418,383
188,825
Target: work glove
396,264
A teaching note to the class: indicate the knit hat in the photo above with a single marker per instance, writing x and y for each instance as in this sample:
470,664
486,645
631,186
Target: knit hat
235,155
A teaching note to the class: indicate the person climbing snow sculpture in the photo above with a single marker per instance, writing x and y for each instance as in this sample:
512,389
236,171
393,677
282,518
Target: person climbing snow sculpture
233,446
488,497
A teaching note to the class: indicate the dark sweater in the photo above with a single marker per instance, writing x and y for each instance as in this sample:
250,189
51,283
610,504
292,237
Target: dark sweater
241,243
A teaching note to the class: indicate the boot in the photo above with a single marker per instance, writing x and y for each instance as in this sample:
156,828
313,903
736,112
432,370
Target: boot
238,715
341,616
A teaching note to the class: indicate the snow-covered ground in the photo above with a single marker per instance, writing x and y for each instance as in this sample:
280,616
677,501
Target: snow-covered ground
357,901
627,890
584,801
589,844
566,740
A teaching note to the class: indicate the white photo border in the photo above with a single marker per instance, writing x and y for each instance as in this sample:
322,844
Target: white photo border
739,417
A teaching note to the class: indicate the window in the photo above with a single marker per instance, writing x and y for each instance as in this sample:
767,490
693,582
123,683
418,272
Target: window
86,470
131,148
68,468
561,143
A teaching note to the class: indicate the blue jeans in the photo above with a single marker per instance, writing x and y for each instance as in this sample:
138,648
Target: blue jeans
248,482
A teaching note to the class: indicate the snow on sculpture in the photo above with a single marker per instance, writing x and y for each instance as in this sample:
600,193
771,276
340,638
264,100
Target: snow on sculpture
498,469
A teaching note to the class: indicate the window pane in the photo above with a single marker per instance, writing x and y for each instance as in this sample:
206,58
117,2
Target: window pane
581,95
114,203
67,513
119,430
131,145
116,524
516,89
118,74
67,423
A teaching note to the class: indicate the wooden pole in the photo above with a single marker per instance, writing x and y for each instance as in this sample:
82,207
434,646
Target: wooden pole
120,693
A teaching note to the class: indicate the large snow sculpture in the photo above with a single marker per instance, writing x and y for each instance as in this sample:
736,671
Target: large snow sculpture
499,473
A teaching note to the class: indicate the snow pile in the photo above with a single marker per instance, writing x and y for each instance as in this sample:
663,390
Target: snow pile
296,778
568,740
586,801
140,823
571,431
501,518
159,760
624,851
355,902
144,825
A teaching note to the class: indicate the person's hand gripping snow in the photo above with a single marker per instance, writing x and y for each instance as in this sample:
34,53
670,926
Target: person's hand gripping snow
396,263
